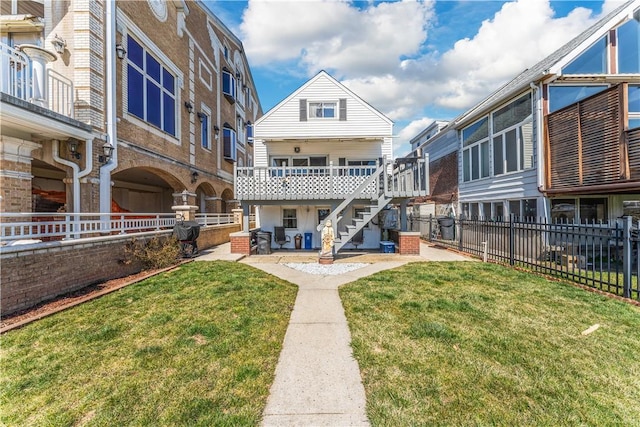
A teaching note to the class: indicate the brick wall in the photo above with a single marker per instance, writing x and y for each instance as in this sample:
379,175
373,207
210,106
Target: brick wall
34,273
240,243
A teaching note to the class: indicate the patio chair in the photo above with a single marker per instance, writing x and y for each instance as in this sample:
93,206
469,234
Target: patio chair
280,237
358,239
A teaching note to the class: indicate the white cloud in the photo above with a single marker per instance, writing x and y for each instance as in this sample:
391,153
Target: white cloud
335,35
382,52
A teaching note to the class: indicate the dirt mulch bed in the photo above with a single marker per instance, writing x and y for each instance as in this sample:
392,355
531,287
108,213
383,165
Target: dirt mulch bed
23,317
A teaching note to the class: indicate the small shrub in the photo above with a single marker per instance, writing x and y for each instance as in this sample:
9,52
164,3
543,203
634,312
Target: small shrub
153,254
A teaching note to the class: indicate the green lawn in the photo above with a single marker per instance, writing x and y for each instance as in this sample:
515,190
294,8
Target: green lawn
480,344
195,346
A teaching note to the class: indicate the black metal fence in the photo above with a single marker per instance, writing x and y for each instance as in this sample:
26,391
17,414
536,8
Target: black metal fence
601,256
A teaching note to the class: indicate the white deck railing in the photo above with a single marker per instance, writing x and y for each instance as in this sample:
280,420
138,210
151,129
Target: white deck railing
302,183
16,79
15,72
59,226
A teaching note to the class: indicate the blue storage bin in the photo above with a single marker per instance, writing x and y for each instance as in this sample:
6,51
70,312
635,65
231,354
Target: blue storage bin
307,240
387,247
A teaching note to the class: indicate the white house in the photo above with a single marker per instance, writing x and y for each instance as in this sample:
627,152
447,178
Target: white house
324,153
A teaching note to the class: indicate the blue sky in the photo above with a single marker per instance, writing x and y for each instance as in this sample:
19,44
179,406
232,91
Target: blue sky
415,61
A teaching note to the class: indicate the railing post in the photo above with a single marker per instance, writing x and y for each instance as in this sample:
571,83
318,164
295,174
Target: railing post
626,256
430,227
460,244
512,240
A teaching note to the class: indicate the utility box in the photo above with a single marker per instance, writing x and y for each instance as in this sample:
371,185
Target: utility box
308,240
387,247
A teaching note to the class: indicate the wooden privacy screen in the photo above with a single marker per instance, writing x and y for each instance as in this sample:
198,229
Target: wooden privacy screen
587,144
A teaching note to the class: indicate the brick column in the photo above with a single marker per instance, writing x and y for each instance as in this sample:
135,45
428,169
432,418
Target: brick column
409,243
15,174
240,243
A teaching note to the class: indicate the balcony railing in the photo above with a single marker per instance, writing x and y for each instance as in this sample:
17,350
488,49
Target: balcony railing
58,226
406,178
302,183
17,79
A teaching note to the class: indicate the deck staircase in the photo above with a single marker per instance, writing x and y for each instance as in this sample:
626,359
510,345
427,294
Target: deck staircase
401,183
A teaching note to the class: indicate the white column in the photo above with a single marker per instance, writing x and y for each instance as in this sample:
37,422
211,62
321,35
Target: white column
39,59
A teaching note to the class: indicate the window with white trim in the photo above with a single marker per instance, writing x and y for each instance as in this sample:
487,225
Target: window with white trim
633,98
205,137
229,142
289,218
629,47
322,110
513,137
151,88
228,85
475,151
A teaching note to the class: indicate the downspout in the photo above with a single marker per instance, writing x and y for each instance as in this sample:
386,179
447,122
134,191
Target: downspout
75,168
112,136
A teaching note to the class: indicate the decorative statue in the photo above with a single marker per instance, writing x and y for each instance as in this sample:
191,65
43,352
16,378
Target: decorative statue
327,239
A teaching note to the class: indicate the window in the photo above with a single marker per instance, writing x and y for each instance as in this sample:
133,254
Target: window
150,89
629,47
204,130
587,210
593,210
322,110
634,106
249,132
475,154
561,96
498,210
228,85
591,61
524,210
229,143
359,167
289,218
513,137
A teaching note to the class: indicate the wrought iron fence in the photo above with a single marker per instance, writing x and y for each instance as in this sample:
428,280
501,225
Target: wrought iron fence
602,256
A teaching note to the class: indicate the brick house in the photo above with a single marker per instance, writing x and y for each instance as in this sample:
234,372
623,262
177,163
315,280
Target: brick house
121,104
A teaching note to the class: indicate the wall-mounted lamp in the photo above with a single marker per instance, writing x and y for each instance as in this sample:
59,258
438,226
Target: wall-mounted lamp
237,74
296,149
121,52
201,116
188,106
58,44
107,152
216,130
72,145
247,123
194,176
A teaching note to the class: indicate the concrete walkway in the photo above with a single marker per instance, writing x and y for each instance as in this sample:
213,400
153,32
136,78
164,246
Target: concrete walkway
317,380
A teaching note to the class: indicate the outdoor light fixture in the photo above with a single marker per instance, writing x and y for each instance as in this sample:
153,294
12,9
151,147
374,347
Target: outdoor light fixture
58,44
107,150
72,145
121,51
194,177
296,149
216,130
188,106
247,124
201,116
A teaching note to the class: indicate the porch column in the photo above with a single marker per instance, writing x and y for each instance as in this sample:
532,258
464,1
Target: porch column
184,205
15,174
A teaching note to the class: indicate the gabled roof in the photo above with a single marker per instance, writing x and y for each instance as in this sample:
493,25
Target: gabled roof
545,68
310,82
